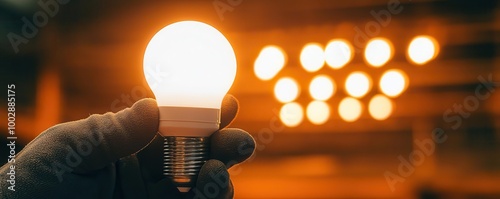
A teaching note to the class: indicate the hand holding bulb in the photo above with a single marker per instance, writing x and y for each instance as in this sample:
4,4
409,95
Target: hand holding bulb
124,157
126,162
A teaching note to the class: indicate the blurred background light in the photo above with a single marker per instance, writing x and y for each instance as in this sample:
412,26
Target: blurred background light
312,57
286,89
322,87
378,52
350,109
291,114
380,107
358,84
422,49
318,112
338,53
393,82
270,61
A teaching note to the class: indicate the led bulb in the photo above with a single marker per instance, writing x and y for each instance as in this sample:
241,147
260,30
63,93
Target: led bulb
189,66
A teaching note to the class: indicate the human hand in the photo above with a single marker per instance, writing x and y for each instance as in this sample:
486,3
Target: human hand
120,155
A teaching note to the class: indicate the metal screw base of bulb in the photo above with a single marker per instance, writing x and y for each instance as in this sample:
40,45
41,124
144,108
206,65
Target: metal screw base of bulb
183,158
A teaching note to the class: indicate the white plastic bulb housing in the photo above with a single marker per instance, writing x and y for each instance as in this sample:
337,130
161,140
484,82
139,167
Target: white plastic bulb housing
189,66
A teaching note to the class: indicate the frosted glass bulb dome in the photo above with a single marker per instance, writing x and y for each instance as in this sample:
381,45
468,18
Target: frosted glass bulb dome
189,64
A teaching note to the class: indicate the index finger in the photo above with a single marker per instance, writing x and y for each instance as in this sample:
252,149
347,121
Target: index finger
91,144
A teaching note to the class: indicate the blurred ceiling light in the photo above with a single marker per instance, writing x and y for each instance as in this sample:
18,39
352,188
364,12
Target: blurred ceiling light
318,112
378,52
422,49
312,57
270,61
338,53
291,114
358,84
350,109
286,90
393,82
322,87
380,107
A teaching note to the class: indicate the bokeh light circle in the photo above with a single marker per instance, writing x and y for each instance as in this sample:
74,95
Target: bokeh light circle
318,112
286,89
393,82
269,63
312,57
322,87
291,114
422,49
350,109
338,53
380,107
378,52
358,84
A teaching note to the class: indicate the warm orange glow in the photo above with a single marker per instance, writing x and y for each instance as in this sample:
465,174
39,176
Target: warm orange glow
358,84
322,87
312,57
350,109
318,112
269,62
423,49
48,101
393,82
286,90
338,53
378,52
291,114
380,107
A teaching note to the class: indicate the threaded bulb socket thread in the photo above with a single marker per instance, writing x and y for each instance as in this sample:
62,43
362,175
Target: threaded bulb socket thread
183,158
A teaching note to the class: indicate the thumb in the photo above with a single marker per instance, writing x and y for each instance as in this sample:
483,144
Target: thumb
99,140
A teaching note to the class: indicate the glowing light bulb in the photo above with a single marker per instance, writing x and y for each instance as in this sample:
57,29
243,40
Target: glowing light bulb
189,66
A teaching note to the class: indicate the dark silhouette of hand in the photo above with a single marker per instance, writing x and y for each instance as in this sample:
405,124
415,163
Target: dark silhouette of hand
120,155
